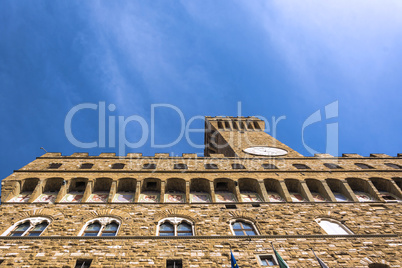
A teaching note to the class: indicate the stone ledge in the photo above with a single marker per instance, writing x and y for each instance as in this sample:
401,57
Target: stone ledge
198,203
193,237
210,171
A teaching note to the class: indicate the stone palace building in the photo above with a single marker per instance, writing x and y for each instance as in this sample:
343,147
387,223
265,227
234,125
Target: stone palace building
247,191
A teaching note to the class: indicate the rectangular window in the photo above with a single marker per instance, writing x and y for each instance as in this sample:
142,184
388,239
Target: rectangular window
83,263
86,166
301,166
180,166
174,264
269,166
267,260
149,166
238,166
211,166
54,165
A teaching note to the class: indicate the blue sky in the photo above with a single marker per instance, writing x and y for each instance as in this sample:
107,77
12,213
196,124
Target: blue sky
278,58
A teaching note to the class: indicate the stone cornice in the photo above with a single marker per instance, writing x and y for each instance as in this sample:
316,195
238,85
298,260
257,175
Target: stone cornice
257,237
210,171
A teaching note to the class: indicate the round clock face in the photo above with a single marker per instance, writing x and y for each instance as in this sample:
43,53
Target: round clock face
265,151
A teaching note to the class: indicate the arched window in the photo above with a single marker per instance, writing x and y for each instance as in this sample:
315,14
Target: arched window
243,228
175,226
21,229
110,229
333,227
166,229
28,227
104,226
184,229
93,229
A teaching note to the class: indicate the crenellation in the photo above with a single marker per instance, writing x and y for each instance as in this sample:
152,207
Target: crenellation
352,155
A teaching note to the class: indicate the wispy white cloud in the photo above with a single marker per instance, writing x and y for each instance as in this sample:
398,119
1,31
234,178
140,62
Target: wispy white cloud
140,42
357,37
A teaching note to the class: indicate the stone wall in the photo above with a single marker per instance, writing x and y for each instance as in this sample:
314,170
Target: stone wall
292,227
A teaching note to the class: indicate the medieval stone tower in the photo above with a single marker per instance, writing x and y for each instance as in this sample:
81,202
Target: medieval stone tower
247,191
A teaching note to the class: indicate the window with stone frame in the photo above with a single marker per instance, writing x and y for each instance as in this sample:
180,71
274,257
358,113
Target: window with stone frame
211,166
180,166
269,166
149,166
104,226
301,166
28,227
332,166
392,165
243,227
363,166
54,165
175,226
333,227
174,264
83,264
238,166
378,265
118,166
267,260
86,166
